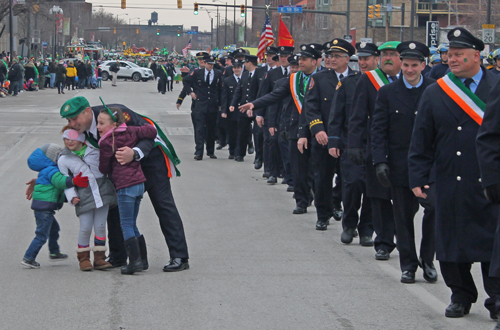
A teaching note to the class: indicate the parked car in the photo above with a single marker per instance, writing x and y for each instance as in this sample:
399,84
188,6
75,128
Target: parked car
128,70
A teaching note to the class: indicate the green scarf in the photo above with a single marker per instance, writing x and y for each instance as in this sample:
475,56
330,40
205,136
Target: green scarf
80,153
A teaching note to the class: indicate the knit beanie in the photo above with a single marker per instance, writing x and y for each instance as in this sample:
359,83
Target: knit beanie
72,134
52,151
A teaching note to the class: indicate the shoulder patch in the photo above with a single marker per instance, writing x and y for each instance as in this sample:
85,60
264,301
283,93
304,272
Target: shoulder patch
126,116
338,85
311,83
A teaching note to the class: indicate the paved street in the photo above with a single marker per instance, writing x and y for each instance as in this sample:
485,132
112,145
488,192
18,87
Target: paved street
254,265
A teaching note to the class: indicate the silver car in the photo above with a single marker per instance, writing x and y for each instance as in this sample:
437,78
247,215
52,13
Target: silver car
128,70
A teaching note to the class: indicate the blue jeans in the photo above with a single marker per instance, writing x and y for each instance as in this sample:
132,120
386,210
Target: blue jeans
52,80
99,82
46,228
129,199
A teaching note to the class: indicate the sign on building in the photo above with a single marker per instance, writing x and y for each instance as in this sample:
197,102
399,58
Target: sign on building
432,33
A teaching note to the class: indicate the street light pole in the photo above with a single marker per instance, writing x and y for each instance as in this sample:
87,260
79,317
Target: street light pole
55,10
11,30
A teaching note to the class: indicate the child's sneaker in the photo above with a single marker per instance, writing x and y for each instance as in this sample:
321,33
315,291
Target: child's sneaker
30,263
58,256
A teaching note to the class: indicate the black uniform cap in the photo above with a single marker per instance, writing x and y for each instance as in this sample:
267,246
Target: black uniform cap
201,54
309,51
461,38
285,50
271,50
341,45
209,59
237,62
252,59
413,49
239,52
367,49
293,60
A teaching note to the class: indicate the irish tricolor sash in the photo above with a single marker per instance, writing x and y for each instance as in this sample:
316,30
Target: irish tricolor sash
298,97
468,101
166,148
378,78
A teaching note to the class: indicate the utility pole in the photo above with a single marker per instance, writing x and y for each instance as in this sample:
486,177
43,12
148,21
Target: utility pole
11,30
412,17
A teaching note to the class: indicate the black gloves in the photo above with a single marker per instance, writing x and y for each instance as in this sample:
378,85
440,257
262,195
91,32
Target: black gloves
382,170
356,155
492,193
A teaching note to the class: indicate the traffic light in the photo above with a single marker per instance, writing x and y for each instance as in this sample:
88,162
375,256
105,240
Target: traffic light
178,33
157,32
124,4
242,10
377,11
196,8
179,4
137,31
370,12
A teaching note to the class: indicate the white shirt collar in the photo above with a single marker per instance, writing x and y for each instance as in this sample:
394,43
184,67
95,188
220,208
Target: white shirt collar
283,69
211,71
251,73
93,126
236,77
345,73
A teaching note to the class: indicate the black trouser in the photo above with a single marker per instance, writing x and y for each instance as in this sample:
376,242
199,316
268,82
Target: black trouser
232,135
14,87
205,124
258,137
160,194
60,86
300,166
171,83
162,85
383,224
41,82
285,158
428,243
244,132
337,189
222,129
458,278
353,193
324,170
271,152
71,82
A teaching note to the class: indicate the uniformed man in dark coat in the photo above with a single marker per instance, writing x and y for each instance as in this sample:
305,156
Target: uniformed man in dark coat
392,124
445,136
271,52
163,75
229,85
359,145
271,155
353,176
317,104
239,54
246,91
204,86
299,160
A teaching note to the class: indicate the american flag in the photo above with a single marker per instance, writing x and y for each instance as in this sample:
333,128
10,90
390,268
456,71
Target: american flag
185,49
266,38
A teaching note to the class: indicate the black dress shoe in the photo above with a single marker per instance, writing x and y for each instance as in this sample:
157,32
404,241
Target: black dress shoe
238,159
272,180
408,276
299,210
116,262
347,236
251,149
456,310
430,274
382,255
230,157
258,165
337,213
220,146
494,315
212,156
198,157
366,241
290,189
266,175
176,265
322,224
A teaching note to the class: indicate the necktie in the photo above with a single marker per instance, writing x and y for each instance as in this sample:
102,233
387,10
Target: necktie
393,78
238,80
286,71
341,76
91,139
467,82
208,78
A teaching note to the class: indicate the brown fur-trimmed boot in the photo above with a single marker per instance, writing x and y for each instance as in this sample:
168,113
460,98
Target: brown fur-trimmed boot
100,258
83,255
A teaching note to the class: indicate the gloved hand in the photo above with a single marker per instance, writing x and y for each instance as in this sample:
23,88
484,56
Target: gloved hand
81,181
357,155
382,171
492,193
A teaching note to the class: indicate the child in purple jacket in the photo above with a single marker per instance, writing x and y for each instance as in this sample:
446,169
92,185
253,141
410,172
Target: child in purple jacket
127,178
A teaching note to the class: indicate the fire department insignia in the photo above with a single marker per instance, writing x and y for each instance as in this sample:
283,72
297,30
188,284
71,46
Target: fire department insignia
126,116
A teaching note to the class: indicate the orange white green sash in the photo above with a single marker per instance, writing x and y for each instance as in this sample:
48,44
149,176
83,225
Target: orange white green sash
378,78
298,97
466,100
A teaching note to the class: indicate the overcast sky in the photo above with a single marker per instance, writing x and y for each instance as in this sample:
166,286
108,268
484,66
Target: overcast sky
169,14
